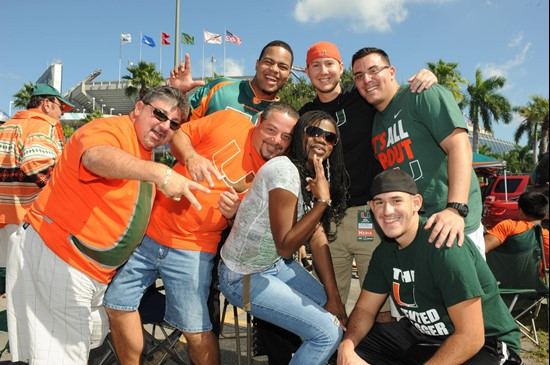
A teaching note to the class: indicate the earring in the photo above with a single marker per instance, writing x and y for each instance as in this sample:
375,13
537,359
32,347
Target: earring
328,171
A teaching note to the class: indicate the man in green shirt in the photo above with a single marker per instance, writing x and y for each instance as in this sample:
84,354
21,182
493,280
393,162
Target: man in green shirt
449,298
425,135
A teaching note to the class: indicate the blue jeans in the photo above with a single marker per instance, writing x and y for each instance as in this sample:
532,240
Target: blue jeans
288,296
186,276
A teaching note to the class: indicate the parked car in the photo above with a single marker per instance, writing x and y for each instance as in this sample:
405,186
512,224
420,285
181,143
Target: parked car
501,201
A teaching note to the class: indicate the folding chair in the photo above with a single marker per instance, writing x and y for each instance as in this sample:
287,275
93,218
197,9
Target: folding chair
162,336
521,284
237,335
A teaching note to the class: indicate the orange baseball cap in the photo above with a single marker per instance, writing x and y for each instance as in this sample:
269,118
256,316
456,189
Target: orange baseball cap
323,49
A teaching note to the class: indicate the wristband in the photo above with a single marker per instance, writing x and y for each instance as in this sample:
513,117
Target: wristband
166,178
329,202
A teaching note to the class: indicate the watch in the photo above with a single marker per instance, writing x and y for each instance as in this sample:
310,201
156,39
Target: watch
461,208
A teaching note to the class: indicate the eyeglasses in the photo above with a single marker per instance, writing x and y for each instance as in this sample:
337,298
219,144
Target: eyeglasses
61,107
161,117
371,72
313,131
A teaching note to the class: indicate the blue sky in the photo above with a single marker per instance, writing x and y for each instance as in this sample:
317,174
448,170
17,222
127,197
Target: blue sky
501,37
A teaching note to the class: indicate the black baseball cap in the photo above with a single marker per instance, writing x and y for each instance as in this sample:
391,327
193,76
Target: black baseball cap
393,180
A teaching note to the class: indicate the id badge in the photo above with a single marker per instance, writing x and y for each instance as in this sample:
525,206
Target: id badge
365,226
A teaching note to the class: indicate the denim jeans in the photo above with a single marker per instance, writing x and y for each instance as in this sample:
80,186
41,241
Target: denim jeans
186,277
288,296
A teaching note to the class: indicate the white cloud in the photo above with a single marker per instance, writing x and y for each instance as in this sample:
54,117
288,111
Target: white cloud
360,15
492,69
516,41
232,67
9,76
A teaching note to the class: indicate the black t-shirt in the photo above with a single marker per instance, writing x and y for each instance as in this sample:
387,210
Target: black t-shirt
355,118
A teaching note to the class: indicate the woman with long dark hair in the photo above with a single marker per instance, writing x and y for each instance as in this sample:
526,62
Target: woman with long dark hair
292,200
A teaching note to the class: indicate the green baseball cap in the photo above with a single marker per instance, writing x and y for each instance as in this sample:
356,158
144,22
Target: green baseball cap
45,89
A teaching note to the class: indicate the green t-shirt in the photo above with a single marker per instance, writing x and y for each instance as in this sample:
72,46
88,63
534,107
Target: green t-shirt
407,135
424,281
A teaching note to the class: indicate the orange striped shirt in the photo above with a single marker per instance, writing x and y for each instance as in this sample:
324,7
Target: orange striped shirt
30,145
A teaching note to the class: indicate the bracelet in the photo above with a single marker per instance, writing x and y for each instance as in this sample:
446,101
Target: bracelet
329,202
166,178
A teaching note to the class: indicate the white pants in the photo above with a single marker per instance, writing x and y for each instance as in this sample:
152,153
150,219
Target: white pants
5,233
55,312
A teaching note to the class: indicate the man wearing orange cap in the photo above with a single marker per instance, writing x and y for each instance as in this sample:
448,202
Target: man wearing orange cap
357,237
30,145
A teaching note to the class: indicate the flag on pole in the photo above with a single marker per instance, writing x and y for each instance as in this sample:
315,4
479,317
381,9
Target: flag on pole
212,38
147,40
232,38
164,38
126,38
187,39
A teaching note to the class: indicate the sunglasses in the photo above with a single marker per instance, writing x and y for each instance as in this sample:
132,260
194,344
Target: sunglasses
313,131
61,107
161,117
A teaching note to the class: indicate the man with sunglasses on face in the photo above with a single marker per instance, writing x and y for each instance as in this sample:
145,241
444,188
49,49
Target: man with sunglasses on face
425,135
180,242
84,224
357,237
30,145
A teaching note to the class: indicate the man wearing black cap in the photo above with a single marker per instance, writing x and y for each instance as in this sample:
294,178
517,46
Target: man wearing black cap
449,298
30,145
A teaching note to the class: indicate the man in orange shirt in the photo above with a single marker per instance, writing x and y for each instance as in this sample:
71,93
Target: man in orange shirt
30,144
532,209
85,224
180,243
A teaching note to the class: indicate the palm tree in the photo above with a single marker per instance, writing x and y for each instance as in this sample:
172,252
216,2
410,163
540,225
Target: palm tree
91,116
519,160
486,150
448,75
487,104
535,115
143,77
23,96
297,93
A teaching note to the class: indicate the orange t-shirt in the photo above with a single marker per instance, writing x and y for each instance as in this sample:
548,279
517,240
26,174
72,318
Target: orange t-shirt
94,223
224,138
510,227
30,144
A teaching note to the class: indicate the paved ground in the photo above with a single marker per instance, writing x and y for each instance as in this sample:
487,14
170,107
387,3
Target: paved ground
228,345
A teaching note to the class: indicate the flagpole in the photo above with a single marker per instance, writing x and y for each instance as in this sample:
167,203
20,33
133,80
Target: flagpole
202,76
120,58
224,42
160,46
140,44
177,45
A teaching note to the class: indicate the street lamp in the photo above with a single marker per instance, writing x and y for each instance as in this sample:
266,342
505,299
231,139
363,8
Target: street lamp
111,111
11,103
83,110
93,103
102,106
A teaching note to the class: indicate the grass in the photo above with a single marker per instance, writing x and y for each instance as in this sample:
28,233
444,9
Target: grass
531,353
